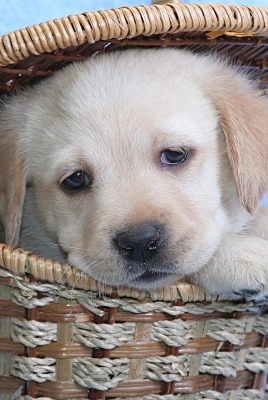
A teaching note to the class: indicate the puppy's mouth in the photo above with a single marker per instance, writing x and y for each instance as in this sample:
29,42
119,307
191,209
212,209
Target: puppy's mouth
148,278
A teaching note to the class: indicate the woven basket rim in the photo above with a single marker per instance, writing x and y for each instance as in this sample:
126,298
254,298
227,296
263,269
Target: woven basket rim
35,52
128,22
21,265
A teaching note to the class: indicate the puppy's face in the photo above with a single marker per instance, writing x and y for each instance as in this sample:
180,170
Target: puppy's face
126,171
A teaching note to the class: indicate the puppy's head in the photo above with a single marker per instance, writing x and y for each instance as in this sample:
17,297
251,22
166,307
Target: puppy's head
127,157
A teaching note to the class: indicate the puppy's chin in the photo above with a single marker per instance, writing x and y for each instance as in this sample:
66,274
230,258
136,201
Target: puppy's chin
150,280
134,275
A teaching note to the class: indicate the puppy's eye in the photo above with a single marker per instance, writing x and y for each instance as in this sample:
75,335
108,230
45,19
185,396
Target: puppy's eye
78,180
174,157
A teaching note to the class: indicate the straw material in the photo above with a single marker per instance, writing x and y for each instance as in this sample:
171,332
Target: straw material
67,342
35,52
65,336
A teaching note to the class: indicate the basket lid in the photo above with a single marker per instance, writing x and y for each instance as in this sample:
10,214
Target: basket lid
241,32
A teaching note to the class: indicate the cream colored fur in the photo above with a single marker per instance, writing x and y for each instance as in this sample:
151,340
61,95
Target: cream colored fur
112,116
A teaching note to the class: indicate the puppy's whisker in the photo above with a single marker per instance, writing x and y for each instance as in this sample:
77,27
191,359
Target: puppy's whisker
66,277
81,264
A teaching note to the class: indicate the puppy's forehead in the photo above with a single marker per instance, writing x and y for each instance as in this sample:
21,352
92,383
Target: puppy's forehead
114,105
113,98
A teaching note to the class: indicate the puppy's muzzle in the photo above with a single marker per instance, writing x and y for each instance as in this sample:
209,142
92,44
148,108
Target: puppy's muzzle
139,243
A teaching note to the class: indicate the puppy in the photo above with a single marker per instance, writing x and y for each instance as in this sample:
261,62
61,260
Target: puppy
140,168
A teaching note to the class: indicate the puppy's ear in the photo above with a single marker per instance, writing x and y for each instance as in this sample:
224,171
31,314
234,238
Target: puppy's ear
243,116
12,183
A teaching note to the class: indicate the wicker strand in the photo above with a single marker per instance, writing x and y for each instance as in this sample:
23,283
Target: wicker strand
126,23
24,293
260,325
36,369
219,364
173,333
38,398
159,397
33,333
233,330
103,374
257,360
104,336
249,394
20,263
167,369
100,374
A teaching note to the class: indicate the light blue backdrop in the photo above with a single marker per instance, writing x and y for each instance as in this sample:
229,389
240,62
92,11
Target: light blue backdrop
16,14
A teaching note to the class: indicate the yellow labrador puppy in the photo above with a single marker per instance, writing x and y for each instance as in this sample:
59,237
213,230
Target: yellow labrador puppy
141,168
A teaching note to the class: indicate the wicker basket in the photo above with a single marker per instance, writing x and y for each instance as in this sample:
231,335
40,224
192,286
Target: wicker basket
62,336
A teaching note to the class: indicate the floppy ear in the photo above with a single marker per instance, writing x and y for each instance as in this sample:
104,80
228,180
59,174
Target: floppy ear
243,114
12,184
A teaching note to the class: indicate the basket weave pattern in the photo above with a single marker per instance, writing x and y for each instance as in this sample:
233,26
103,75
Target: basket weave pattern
67,342
36,51
63,335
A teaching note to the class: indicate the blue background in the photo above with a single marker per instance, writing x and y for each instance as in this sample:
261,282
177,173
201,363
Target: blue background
17,14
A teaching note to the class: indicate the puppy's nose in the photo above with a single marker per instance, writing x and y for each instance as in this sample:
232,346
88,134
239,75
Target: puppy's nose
139,243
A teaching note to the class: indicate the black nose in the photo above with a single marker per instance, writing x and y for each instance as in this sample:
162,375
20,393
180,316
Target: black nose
139,243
